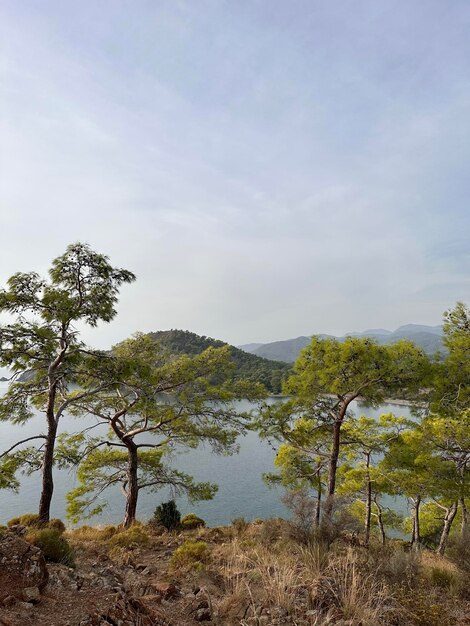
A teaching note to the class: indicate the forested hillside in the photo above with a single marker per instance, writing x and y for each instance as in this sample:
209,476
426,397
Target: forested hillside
250,366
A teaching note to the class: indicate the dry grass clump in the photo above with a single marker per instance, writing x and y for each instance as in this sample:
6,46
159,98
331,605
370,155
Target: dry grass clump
92,533
300,579
132,537
355,594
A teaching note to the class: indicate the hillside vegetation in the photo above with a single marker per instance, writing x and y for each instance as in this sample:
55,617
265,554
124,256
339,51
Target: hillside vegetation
248,366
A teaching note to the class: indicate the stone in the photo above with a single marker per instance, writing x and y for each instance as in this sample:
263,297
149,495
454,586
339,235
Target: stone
22,561
31,594
166,590
202,615
9,601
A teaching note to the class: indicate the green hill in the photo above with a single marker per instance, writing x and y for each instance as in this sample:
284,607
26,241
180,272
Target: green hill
270,373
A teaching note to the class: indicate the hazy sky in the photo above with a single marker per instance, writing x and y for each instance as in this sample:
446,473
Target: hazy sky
267,168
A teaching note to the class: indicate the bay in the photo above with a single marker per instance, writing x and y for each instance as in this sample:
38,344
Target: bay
242,492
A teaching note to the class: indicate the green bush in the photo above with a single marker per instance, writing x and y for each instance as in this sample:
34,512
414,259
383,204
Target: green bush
167,515
133,536
190,555
53,545
191,521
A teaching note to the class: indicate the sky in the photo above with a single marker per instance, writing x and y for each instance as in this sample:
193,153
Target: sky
268,169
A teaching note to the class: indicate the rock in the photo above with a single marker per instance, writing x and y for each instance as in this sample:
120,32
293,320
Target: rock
31,594
9,601
263,620
202,615
26,606
166,590
22,562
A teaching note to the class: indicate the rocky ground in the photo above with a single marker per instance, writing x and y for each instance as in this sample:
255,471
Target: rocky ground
129,586
245,577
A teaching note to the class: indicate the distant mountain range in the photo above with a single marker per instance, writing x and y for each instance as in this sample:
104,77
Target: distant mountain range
427,337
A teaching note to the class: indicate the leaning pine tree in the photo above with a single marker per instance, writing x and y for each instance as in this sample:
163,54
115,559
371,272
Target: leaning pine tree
41,347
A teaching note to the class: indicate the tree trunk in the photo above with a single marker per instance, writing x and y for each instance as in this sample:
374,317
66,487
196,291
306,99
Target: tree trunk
333,466
333,462
416,536
448,519
48,458
132,485
52,424
380,522
47,477
368,503
464,523
318,505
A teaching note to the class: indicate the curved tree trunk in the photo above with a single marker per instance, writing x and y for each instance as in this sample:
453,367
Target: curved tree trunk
448,520
132,491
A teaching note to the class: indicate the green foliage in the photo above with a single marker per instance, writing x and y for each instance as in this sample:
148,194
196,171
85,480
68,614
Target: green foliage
191,521
190,555
167,515
53,544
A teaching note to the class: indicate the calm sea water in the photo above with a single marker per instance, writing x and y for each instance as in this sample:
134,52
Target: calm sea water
242,491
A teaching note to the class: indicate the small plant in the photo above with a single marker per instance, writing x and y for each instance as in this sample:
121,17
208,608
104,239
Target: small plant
53,544
167,515
133,536
240,525
190,555
191,521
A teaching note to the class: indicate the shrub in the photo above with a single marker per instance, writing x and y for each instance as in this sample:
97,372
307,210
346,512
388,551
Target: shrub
56,524
459,551
191,521
240,525
133,536
53,545
167,515
273,530
190,555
